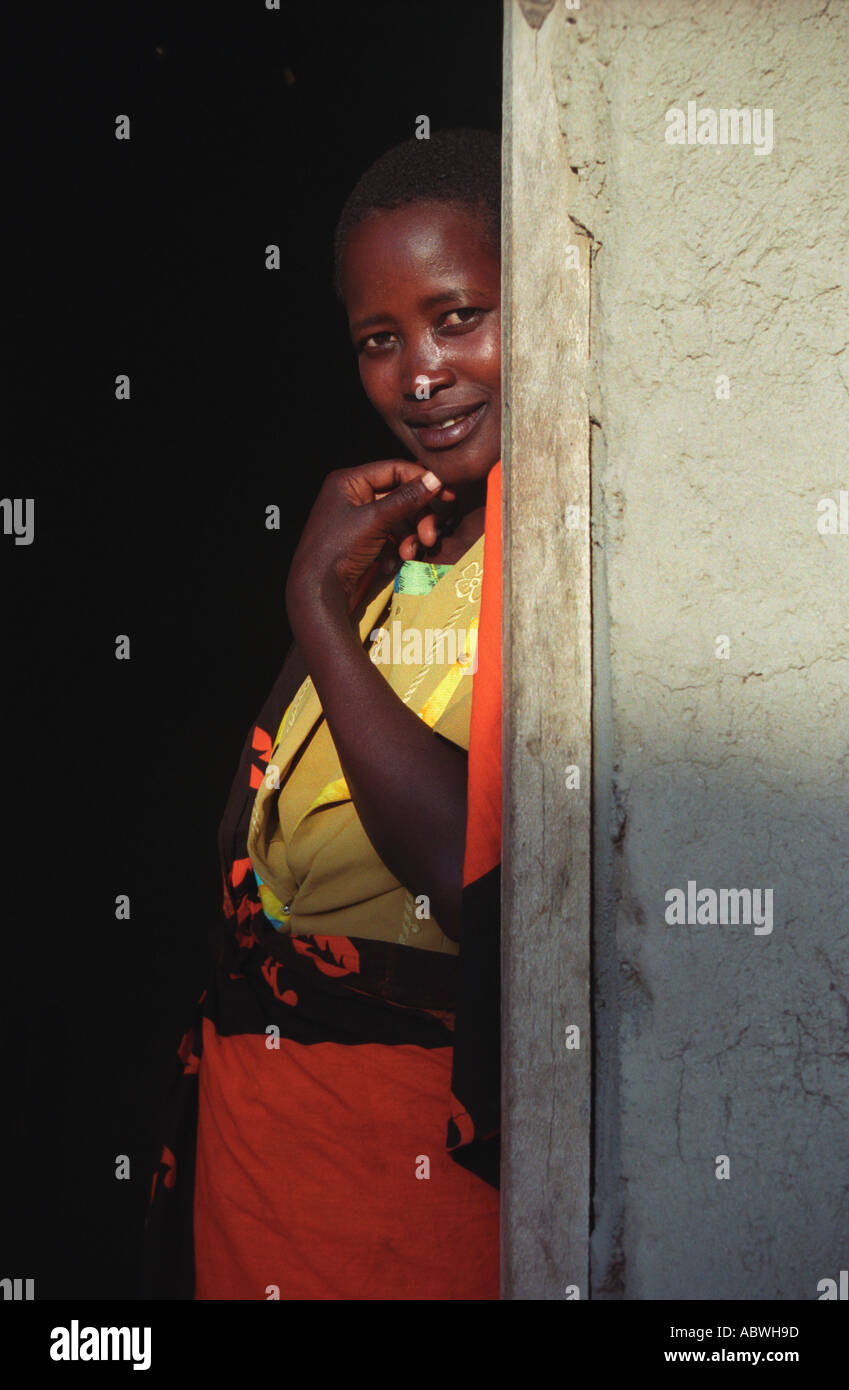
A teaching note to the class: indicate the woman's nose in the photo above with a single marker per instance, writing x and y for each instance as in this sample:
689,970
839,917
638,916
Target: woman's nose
422,374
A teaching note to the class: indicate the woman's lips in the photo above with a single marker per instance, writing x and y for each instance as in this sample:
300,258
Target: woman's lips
444,436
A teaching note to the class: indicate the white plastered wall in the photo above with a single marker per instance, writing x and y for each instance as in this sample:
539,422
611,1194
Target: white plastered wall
718,391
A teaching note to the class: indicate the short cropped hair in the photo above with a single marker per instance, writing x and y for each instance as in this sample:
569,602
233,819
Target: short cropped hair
462,167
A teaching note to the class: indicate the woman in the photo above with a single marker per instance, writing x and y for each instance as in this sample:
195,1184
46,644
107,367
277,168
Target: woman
353,1015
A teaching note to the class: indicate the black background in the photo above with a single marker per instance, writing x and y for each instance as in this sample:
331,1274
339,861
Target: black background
147,257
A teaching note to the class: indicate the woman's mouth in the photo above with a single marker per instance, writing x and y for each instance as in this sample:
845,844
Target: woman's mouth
449,431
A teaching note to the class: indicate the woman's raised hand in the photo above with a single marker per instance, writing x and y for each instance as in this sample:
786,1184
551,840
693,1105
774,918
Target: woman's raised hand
359,515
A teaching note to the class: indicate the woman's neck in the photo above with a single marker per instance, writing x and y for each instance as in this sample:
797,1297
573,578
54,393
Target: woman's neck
461,523
449,549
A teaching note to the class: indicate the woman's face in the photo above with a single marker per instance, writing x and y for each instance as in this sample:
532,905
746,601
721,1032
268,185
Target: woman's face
422,288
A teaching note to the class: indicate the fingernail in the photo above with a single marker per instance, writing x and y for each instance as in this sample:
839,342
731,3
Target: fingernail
431,482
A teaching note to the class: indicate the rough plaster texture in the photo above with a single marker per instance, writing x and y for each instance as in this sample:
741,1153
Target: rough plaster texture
712,1040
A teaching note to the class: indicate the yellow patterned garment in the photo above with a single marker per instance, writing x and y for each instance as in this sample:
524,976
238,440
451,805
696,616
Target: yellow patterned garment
317,869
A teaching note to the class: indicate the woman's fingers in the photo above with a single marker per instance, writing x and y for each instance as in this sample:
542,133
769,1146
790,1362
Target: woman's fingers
400,511
396,479
407,542
424,537
372,480
408,548
428,530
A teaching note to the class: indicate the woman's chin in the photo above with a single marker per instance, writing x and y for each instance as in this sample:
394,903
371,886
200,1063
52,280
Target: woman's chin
455,472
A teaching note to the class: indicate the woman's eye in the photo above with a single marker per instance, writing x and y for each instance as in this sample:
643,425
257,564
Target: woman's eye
374,340
461,317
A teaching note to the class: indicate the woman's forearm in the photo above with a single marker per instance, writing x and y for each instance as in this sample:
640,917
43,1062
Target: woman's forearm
407,784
